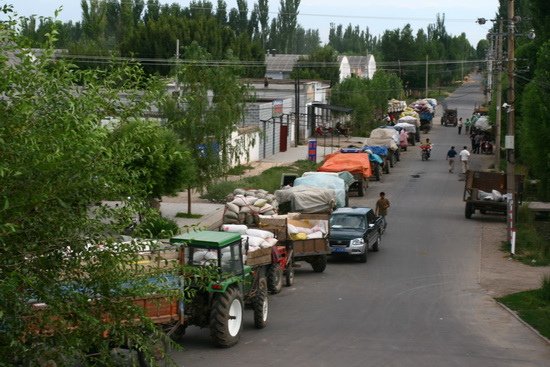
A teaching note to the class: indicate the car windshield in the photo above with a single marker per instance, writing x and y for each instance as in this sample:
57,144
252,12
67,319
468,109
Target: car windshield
347,221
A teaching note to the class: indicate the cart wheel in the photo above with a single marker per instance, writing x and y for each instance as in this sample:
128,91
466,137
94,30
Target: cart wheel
360,189
275,278
319,263
469,210
289,274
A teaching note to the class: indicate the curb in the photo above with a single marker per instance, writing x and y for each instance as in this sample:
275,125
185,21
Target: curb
516,316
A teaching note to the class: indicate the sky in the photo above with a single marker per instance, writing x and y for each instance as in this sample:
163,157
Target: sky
377,15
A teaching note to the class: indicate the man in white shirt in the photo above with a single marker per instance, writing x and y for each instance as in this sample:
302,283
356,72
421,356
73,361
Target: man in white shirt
464,157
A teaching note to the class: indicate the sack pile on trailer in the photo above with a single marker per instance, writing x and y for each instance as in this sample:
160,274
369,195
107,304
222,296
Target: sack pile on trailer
244,206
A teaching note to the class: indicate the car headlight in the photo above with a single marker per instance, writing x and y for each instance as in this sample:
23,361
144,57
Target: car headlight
356,242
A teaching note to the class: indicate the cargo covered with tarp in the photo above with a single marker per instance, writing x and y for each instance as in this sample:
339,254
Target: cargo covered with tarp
307,199
326,182
351,162
385,133
389,143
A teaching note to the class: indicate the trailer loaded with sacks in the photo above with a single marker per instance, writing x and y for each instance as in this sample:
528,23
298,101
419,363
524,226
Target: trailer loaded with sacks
485,191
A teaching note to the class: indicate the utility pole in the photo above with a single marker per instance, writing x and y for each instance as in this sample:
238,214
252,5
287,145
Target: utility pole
297,107
498,122
426,76
509,142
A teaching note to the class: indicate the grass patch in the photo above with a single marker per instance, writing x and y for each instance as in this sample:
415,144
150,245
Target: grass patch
532,306
239,170
533,239
188,215
269,180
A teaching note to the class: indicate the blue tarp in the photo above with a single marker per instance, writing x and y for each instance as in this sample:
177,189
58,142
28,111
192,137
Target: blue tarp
377,149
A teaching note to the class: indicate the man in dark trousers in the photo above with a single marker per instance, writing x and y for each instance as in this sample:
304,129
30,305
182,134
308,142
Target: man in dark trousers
382,206
451,154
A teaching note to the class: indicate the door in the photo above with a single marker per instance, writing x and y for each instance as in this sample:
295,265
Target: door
283,137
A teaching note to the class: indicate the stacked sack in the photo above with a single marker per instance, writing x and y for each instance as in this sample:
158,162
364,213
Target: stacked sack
255,238
244,206
306,233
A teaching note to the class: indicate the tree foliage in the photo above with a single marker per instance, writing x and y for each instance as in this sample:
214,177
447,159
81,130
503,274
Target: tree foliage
155,156
58,243
368,98
206,113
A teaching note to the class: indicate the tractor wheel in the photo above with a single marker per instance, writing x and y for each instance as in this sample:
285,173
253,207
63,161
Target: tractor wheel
226,317
319,263
289,274
261,304
274,278
376,245
469,210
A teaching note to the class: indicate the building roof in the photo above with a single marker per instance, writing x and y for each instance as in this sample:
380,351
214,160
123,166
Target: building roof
281,62
357,62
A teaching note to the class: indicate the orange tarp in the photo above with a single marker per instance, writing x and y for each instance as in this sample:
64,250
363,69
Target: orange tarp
351,162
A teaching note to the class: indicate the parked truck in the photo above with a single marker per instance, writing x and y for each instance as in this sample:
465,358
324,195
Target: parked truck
449,117
484,192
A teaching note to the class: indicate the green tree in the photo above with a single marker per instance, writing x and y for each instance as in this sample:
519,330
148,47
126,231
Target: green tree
211,105
368,98
321,64
57,244
155,157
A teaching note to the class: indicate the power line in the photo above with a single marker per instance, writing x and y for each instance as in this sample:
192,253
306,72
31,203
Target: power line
173,61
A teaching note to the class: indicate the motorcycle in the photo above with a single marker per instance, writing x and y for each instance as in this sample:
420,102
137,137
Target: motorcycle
323,131
486,147
342,130
425,151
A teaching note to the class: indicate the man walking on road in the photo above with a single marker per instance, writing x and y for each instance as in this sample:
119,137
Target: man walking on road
381,210
451,154
459,125
464,157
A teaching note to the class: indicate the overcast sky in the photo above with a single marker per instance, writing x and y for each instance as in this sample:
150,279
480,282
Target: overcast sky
378,15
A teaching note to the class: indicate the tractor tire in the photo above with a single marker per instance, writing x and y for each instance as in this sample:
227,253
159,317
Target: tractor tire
226,317
469,210
376,245
261,304
289,274
319,263
274,278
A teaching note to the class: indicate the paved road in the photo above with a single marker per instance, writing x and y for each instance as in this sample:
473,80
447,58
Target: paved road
417,302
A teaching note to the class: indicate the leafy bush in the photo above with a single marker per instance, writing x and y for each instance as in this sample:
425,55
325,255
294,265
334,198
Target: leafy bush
532,246
545,288
156,227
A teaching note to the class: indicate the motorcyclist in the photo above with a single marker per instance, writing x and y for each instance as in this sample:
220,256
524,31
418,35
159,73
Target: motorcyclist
427,146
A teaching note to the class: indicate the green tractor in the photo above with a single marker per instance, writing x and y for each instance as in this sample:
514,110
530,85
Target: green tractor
221,303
